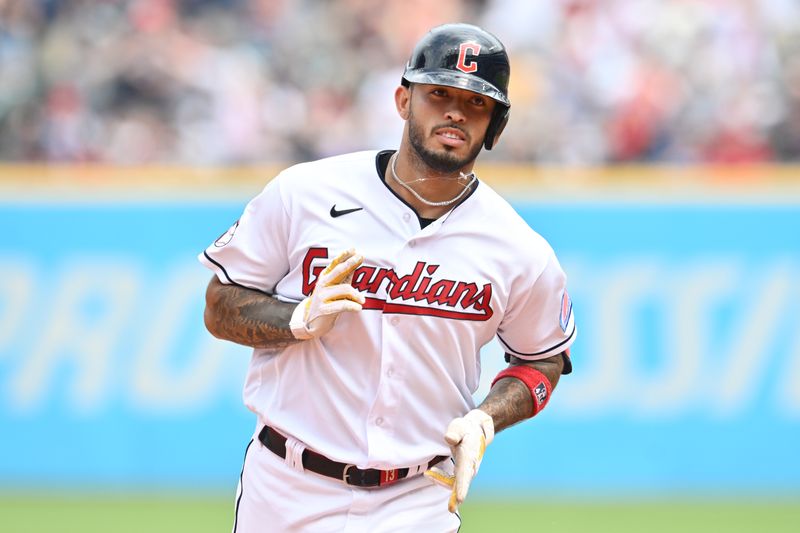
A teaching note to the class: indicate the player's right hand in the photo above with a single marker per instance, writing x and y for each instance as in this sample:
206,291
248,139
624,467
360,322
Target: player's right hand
332,294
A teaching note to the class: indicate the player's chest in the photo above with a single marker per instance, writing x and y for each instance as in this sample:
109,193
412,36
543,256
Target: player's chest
436,271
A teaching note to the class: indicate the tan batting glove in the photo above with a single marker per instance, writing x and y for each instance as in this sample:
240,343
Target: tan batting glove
333,294
468,437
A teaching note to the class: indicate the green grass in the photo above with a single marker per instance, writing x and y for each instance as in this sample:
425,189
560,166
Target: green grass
654,517
114,514
84,514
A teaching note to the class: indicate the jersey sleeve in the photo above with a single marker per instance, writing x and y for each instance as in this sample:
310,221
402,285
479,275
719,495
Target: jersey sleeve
253,252
540,322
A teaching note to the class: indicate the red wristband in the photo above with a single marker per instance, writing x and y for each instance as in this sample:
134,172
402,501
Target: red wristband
537,383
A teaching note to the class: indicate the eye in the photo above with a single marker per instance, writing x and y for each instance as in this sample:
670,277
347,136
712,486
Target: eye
478,101
438,91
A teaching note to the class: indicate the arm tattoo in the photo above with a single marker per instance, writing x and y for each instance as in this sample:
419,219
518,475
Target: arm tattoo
510,401
247,316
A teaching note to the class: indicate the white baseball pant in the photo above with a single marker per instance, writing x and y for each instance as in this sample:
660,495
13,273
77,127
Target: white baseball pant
273,496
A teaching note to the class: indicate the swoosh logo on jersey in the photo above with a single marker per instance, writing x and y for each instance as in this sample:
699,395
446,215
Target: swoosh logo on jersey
337,213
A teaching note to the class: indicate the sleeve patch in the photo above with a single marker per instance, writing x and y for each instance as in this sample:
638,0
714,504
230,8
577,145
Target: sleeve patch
226,237
566,311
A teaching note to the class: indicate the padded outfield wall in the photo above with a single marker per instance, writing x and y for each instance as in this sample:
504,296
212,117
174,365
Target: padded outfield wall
686,287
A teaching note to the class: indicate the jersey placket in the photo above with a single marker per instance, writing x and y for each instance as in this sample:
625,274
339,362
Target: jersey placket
386,408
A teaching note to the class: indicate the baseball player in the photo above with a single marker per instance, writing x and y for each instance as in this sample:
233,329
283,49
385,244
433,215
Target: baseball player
367,284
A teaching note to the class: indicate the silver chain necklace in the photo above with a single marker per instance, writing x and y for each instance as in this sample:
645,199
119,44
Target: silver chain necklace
472,177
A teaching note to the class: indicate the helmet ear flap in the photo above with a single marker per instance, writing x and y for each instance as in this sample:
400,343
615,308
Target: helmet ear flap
496,125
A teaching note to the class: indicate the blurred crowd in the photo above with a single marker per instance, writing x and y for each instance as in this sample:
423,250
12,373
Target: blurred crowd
219,82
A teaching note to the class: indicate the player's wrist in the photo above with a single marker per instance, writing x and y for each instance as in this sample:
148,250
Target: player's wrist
537,383
298,324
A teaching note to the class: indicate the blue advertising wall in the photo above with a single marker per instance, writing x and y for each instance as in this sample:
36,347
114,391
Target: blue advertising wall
687,363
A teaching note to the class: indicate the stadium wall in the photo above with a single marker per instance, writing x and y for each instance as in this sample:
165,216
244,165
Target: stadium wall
686,286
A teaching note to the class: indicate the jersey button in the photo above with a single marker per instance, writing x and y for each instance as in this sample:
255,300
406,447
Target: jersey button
379,421
406,217
394,321
412,243
389,373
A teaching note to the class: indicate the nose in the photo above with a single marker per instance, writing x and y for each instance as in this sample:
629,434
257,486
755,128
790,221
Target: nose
455,111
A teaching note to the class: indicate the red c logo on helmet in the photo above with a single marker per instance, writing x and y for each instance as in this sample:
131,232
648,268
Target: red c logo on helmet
463,65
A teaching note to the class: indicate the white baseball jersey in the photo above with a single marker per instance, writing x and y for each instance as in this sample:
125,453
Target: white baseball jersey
380,388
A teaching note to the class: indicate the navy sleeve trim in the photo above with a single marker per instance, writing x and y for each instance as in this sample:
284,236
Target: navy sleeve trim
534,354
222,268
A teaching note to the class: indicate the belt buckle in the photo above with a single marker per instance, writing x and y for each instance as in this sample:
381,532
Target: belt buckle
346,474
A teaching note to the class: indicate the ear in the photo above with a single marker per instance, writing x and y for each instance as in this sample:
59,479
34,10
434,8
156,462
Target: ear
402,100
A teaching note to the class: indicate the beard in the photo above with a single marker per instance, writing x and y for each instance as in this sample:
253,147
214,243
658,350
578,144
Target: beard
441,161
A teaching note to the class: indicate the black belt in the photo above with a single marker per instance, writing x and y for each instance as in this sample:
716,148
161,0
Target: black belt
276,443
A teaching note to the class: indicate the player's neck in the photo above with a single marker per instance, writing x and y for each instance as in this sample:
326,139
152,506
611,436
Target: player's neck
430,193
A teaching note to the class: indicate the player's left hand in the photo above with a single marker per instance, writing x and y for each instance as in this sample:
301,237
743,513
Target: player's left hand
468,437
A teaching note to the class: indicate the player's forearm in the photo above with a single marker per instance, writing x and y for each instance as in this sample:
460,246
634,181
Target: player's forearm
247,317
509,401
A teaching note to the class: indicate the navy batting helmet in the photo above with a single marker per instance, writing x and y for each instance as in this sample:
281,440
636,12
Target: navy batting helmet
465,57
